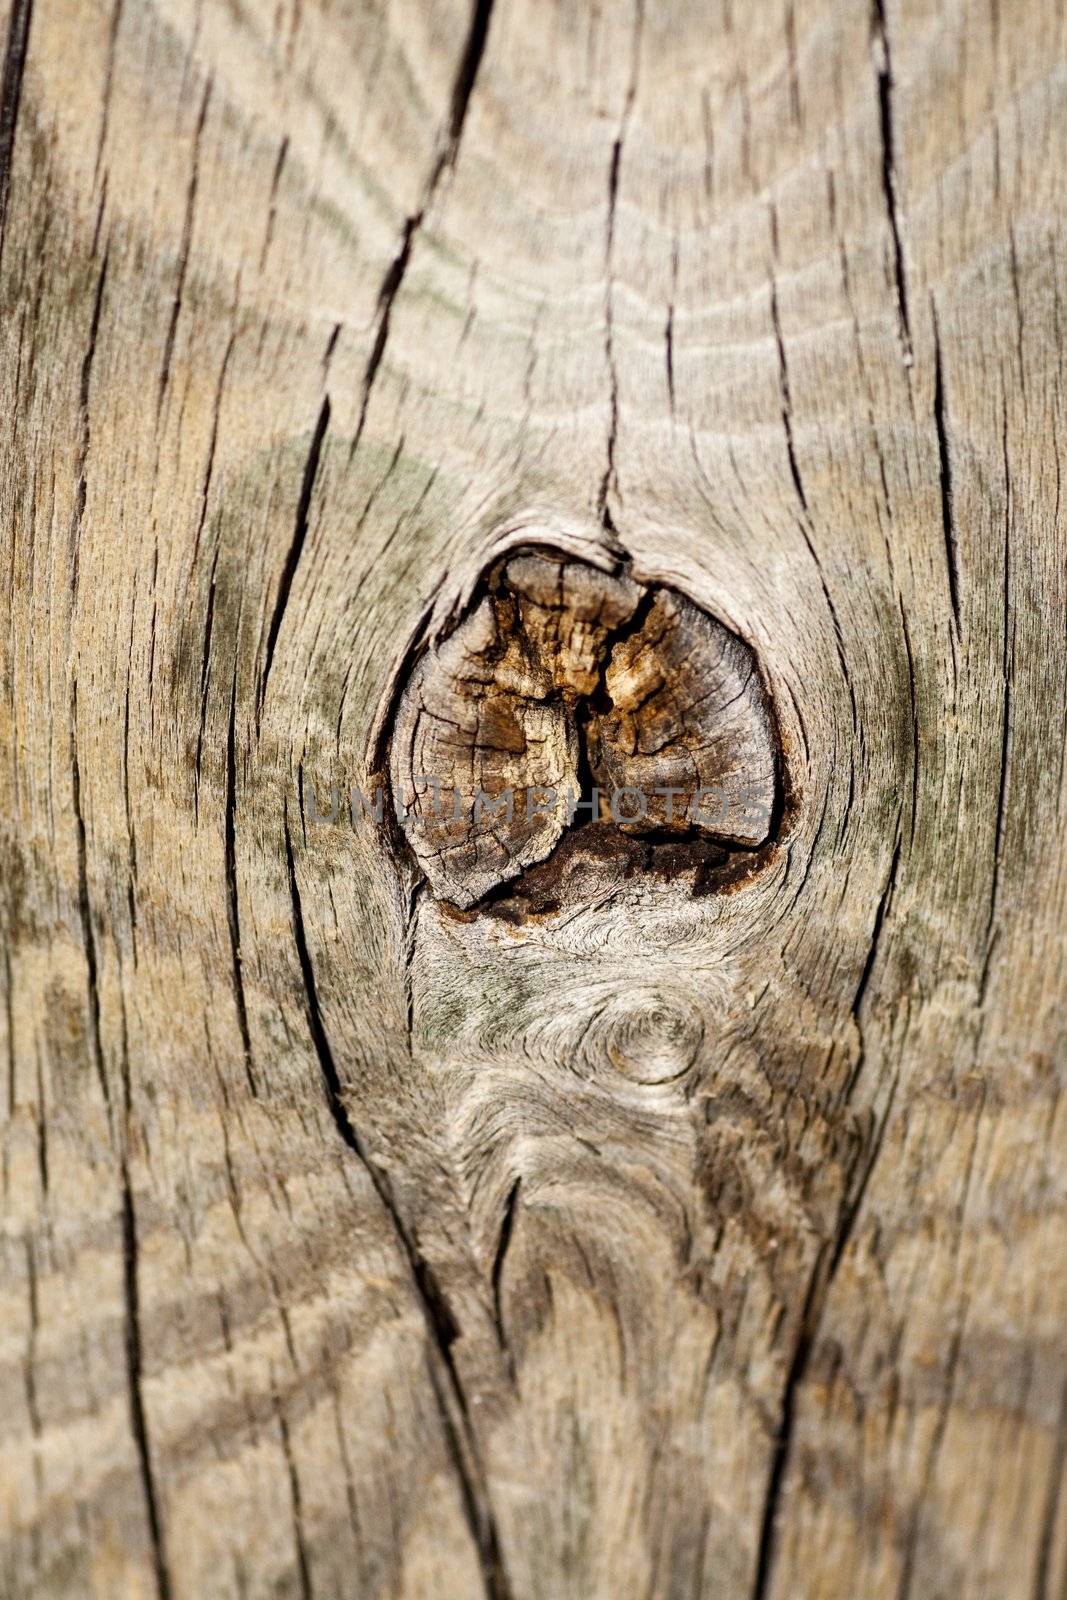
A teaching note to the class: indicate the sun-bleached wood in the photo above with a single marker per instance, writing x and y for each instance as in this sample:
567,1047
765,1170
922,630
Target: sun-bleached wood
671,1235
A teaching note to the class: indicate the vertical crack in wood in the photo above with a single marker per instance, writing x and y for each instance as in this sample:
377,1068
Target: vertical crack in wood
85,909
183,252
1050,1513
105,112
411,928
914,703
609,479
766,1548
18,37
9,1024
233,916
948,526
296,546
303,1564
668,331
135,1374
884,70
134,1360
609,343
884,902
794,69
466,76
272,203
1005,667
209,623
823,1274
1013,264
839,637
490,1562
205,671
440,1323
82,464
213,442
824,1269
448,149
127,798
786,402
388,292
507,1227
33,1403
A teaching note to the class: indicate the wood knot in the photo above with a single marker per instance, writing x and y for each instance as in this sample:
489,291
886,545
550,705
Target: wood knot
648,1037
567,697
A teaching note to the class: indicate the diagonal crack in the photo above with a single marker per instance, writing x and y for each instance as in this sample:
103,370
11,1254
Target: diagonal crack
824,1268
507,1227
444,160
786,401
296,547
441,1326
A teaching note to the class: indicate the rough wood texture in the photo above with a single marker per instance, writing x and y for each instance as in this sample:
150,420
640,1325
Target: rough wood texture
657,1243
570,695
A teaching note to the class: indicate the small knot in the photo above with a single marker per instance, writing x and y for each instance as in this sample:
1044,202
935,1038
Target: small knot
646,1036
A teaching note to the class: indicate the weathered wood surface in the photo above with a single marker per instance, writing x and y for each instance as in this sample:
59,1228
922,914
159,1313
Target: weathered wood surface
659,1244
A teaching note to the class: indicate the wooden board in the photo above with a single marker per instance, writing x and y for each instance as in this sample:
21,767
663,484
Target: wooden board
651,1242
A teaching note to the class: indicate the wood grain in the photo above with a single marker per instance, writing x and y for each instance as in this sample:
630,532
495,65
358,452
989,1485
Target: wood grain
669,1236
